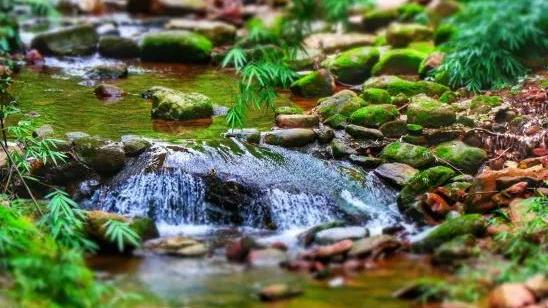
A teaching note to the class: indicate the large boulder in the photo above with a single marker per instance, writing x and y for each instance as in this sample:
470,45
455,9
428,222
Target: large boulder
460,156
400,35
399,62
112,46
428,112
396,85
218,32
413,155
344,103
72,41
374,115
354,65
176,46
102,155
171,104
315,84
293,137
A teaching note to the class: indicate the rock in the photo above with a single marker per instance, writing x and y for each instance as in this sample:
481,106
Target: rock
288,110
134,145
178,7
95,228
365,161
429,112
511,295
297,121
109,91
44,131
413,155
376,96
108,71
374,246
374,115
342,103
217,31
420,183
176,46
308,236
538,285
360,132
430,63
435,136
292,137
339,149
305,59
394,129
324,134
458,155
251,135
414,129
111,46
331,42
378,18
396,173
399,62
178,246
336,121
238,250
442,8
276,292
396,85
353,66
506,182
333,235
103,156
315,84
455,250
74,136
483,103
267,257
473,224
329,251
400,35
72,41
171,104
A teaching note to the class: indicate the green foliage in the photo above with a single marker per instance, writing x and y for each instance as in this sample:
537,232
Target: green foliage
492,38
121,234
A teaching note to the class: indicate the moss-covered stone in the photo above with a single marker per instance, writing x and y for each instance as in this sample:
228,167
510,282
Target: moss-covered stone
374,115
315,84
484,103
218,32
377,18
400,35
456,250
336,121
448,97
473,224
344,102
395,86
394,129
171,104
443,33
339,149
376,96
425,47
409,11
405,153
112,46
399,62
102,155
461,156
176,46
414,129
288,110
72,41
354,65
429,112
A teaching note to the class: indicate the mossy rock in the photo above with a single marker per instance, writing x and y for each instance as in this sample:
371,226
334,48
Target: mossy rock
424,47
102,155
220,33
394,129
454,251
400,35
396,85
413,155
378,18
288,110
376,96
112,46
409,11
461,156
414,129
171,104
429,112
419,184
315,84
344,102
473,224
443,33
484,103
448,97
374,115
339,149
176,46
336,121
72,41
399,62
354,65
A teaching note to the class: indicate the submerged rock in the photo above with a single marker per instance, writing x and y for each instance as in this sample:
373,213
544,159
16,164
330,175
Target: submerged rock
460,156
315,84
102,155
171,104
108,71
413,155
275,292
72,41
176,46
267,257
292,137
111,46
396,173
354,65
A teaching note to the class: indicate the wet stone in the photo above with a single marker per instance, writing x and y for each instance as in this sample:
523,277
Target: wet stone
333,235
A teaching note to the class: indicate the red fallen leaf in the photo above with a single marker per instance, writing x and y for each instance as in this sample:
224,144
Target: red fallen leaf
540,151
517,188
437,204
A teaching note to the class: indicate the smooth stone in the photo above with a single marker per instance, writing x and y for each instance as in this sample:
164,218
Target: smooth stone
360,132
268,257
108,71
291,137
339,149
280,291
374,244
365,161
308,236
330,42
297,121
134,145
511,295
217,31
73,136
339,248
324,134
109,91
333,235
396,173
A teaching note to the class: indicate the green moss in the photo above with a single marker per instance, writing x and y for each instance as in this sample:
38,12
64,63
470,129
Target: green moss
377,18
376,96
288,110
424,47
354,65
448,97
336,121
380,40
429,112
414,129
396,85
315,84
484,103
176,46
344,102
409,11
171,104
374,115
405,153
399,62
461,156
443,33
400,35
